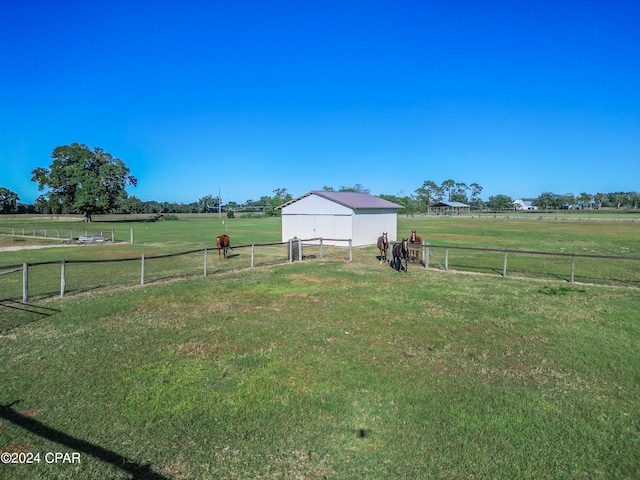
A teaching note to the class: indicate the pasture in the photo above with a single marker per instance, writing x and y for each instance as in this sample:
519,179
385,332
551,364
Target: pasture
329,369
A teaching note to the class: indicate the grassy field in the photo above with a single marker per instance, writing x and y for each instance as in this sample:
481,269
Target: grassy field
330,369
608,236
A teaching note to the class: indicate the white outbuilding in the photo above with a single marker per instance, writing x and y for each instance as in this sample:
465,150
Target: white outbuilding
339,215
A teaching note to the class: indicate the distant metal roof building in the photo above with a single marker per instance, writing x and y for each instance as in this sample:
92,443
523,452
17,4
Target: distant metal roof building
448,208
450,204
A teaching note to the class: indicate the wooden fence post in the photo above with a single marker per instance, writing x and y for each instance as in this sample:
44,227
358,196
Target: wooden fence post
131,241
142,271
446,259
504,265
425,246
300,250
290,250
113,235
321,251
350,250
205,262
25,282
63,280
573,265
253,246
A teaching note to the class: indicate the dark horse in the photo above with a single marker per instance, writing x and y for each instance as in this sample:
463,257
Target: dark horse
414,253
222,242
383,246
400,252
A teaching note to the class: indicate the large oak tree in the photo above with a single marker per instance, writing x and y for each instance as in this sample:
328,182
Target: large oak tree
83,180
8,200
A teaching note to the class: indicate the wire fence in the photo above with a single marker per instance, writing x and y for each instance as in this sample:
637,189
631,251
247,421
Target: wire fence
59,278
56,233
569,267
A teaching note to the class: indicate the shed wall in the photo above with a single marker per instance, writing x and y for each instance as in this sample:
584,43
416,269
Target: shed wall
368,225
314,216
313,226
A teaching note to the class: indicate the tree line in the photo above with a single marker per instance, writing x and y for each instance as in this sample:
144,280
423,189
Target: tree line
84,181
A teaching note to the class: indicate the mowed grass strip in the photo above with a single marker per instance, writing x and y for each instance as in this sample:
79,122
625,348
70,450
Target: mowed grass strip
333,370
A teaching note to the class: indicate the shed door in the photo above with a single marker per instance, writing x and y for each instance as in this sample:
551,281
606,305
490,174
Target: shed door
342,227
324,226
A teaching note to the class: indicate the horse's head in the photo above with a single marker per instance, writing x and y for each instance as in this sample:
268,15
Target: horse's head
405,245
413,236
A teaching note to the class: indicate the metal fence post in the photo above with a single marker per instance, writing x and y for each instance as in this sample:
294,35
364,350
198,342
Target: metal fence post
142,271
205,262
504,265
573,265
63,280
25,282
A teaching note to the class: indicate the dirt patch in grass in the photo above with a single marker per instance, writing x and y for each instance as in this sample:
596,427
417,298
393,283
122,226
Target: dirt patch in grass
304,278
32,413
177,470
195,349
15,448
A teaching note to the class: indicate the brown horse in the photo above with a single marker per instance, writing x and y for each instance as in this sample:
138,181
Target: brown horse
383,246
414,253
222,242
400,252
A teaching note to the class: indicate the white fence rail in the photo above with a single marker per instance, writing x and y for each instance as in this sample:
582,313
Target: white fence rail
57,233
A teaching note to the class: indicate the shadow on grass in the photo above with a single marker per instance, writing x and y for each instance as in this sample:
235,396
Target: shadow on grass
137,471
16,314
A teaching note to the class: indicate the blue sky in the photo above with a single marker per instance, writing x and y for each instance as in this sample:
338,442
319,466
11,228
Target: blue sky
250,96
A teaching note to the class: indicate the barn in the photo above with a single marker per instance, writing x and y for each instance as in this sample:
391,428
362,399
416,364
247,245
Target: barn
339,215
450,208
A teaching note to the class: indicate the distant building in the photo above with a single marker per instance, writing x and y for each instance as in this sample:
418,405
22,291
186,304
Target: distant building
523,205
339,215
450,208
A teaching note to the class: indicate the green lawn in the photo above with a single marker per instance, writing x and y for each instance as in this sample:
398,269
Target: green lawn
327,370
604,237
